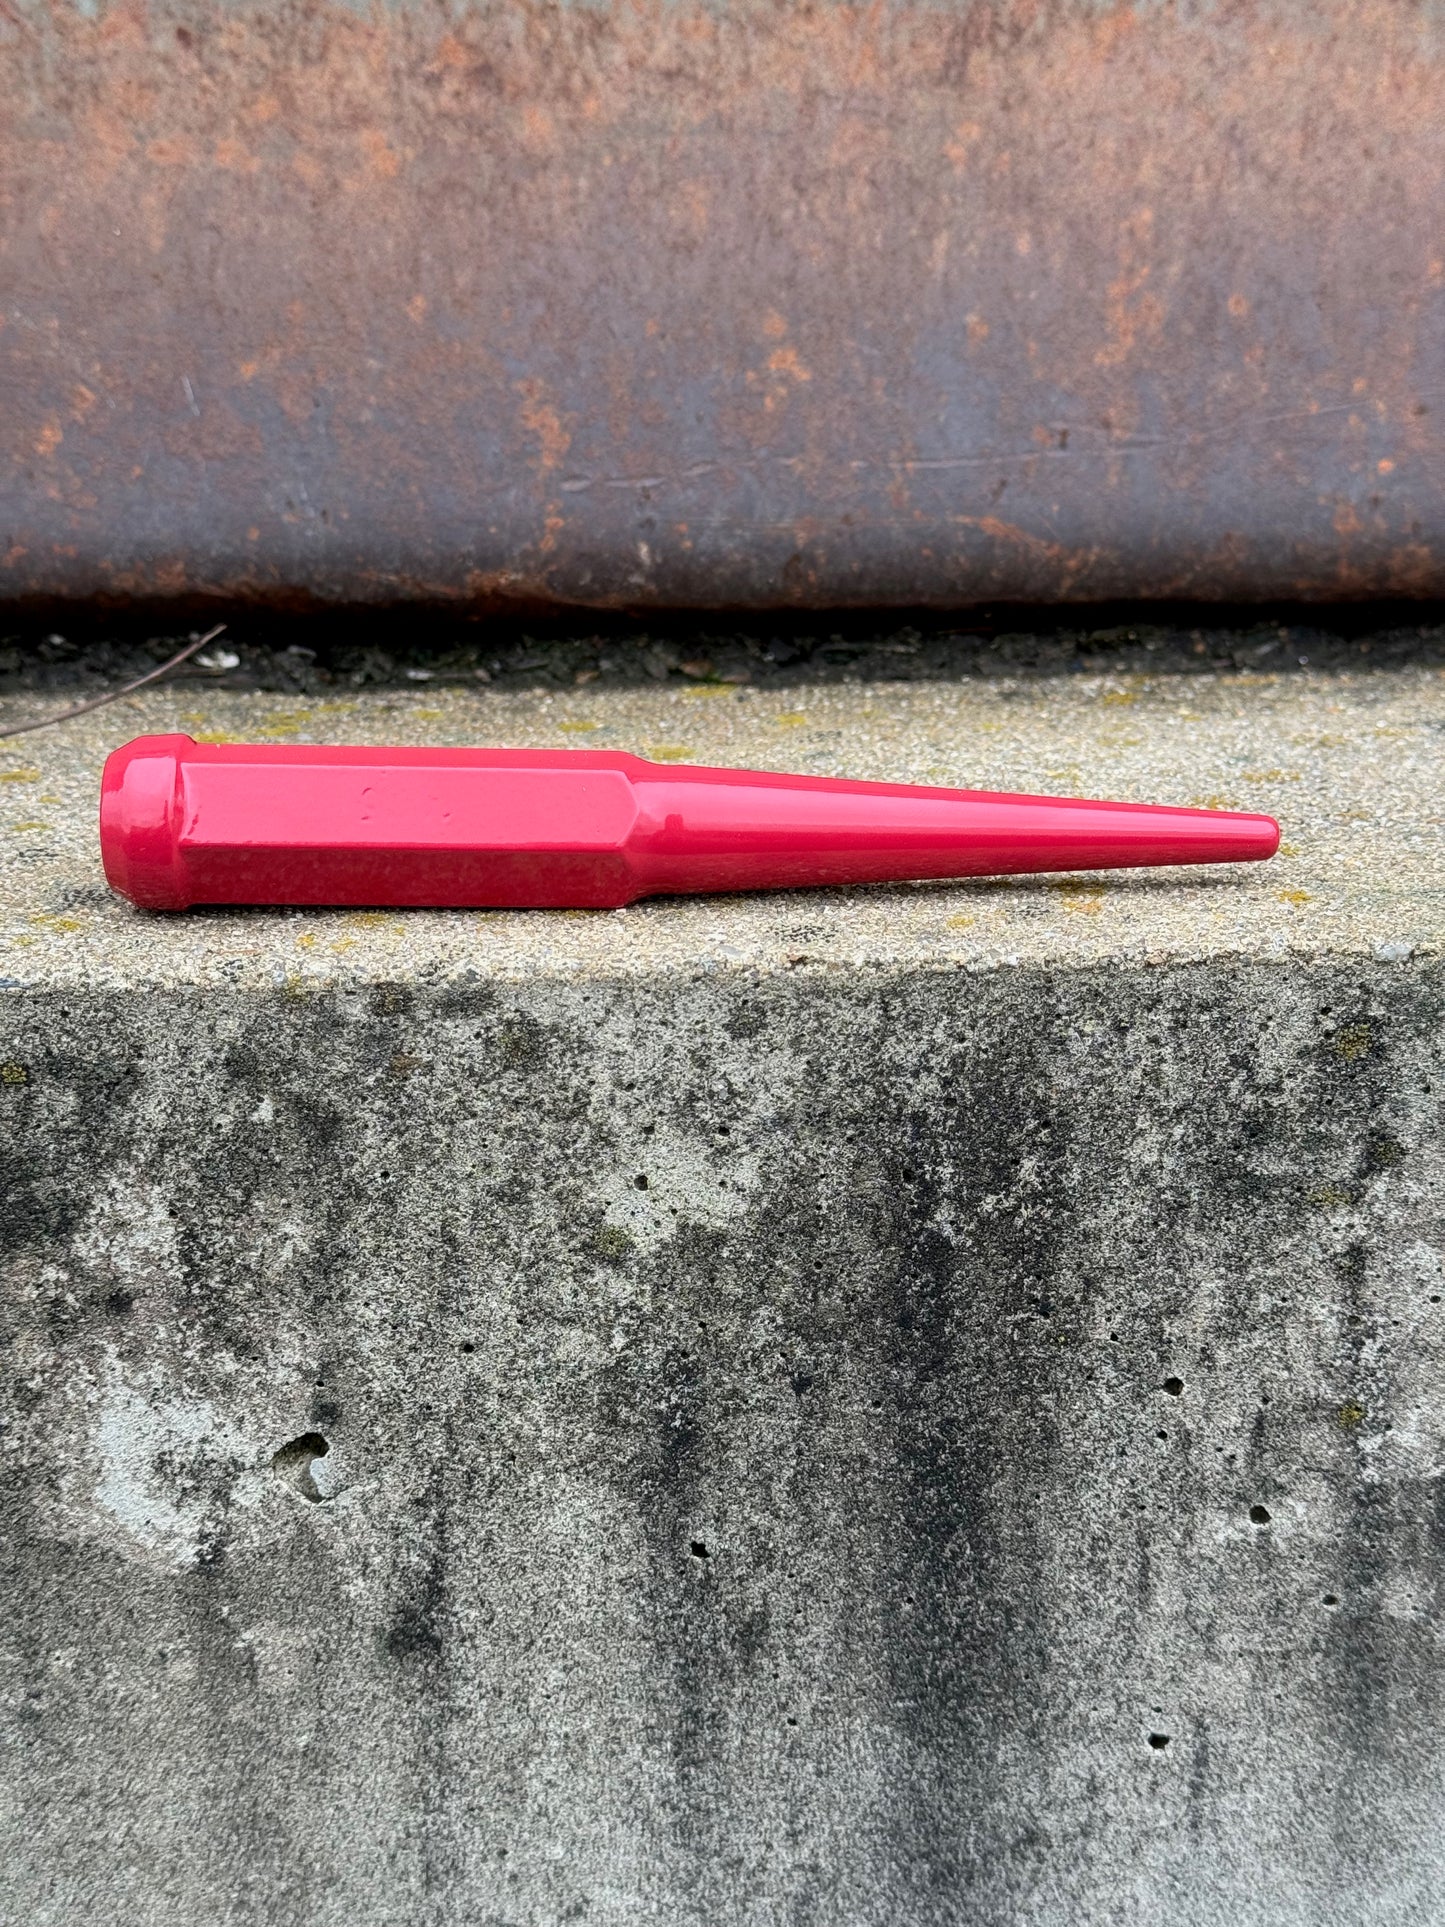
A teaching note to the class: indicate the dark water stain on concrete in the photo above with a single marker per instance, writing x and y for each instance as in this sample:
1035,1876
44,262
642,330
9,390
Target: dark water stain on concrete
838,1549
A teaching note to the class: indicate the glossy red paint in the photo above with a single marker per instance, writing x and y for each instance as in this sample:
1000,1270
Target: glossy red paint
183,823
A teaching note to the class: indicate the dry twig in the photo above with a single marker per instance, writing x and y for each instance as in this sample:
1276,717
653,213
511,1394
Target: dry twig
114,695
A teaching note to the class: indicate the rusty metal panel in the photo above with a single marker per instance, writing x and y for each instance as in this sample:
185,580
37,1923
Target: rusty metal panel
721,302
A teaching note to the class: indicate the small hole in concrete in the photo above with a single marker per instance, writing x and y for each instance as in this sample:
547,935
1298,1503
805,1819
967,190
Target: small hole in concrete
640,1181
1161,1435
1259,1515
1158,1741
1330,1599
294,1461
699,1550
466,1346
1174,1386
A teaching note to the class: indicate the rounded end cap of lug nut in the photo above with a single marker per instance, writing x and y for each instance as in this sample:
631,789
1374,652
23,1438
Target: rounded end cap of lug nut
140,821
1256,838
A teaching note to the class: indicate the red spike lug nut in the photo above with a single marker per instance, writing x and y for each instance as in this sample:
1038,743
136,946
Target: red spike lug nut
184,823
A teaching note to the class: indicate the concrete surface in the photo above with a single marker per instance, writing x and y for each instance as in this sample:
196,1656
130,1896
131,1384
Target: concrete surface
913,1407
1352,765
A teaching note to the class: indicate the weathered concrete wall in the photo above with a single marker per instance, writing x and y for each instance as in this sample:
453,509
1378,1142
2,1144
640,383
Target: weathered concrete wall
799,1444
825,1531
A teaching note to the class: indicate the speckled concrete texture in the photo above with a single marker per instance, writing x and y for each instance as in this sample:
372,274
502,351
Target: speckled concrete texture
1352,765
741,1412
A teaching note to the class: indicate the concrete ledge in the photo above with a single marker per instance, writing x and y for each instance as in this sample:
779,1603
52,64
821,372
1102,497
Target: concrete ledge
812,1432
1352,765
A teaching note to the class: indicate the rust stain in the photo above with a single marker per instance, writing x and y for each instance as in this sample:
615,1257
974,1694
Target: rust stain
1001,531
171,153
235,157
784,361
385,161
540,419
538,129
1134,313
